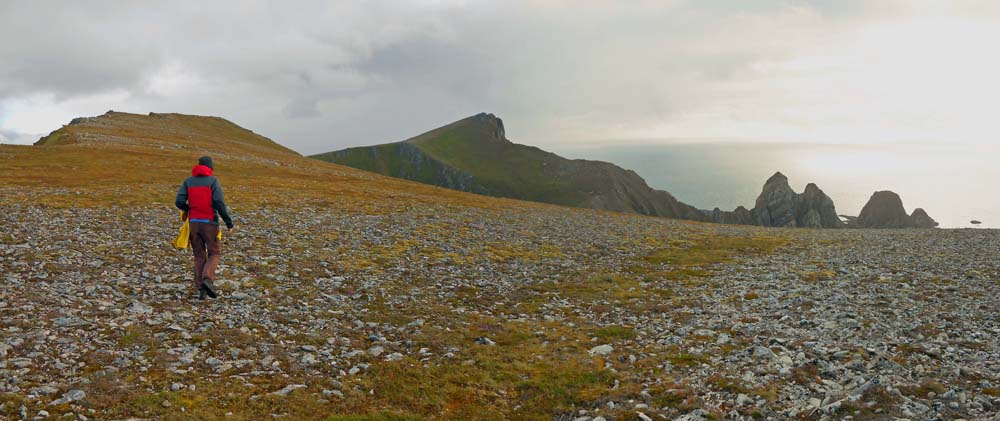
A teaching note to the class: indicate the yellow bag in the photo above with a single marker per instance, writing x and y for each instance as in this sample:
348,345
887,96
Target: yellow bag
183,240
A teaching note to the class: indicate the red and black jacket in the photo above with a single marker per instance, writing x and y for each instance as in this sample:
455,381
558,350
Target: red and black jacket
201,197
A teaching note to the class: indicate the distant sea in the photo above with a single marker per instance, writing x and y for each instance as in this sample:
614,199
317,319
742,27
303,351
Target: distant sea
955,184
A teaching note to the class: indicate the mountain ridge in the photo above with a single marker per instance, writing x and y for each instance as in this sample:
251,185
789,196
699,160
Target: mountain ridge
474,155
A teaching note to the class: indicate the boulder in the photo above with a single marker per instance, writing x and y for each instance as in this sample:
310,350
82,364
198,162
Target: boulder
601,350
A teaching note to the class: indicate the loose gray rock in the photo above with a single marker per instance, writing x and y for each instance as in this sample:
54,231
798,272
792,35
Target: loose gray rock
287,390
308,359
601,350
136,307
74,395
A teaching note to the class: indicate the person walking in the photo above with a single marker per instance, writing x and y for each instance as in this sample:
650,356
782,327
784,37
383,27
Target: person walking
201,198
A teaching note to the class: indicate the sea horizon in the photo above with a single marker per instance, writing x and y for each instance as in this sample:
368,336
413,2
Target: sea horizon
947,183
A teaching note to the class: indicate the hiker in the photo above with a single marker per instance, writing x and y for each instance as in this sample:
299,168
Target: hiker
200,197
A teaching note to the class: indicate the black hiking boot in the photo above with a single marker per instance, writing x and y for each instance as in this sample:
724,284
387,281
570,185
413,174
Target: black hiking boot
209,288
201,293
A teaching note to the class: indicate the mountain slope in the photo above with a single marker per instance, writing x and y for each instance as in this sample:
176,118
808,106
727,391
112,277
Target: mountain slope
474,155
154,128
132,159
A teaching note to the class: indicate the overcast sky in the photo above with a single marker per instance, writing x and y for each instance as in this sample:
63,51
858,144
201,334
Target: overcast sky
323,75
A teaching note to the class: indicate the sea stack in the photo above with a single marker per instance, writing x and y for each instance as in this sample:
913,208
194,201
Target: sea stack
779,206
775,206
885,210
815,209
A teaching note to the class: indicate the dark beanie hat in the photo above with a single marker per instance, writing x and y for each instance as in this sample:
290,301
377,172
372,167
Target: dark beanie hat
206,161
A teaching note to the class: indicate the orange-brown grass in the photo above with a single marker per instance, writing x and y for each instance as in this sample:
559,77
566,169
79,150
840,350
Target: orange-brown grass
706,250
137,160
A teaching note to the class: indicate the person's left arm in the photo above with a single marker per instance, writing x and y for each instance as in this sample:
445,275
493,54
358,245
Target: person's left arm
219,204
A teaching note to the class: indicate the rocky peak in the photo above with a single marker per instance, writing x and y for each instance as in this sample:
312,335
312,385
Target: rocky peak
812,189
492,124
778,179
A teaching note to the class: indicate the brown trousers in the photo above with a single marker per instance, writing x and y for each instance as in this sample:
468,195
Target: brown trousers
204,240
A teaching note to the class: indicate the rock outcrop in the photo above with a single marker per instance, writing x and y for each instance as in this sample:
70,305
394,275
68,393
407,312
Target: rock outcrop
775,206
779,206
885,210
815,209
739,216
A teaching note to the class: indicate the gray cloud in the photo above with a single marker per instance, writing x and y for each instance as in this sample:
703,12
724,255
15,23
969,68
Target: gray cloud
57,50
15,137
323,75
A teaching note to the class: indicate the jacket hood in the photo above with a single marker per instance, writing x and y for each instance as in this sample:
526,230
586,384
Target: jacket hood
201,170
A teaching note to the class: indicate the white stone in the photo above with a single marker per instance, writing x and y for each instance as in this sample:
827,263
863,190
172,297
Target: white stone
601,350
